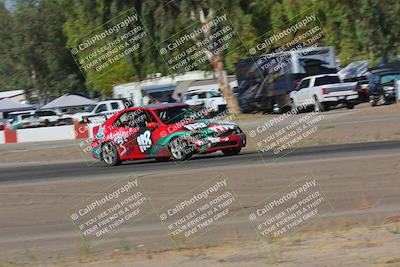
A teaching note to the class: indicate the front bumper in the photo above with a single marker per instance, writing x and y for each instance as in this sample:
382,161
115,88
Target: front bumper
212,144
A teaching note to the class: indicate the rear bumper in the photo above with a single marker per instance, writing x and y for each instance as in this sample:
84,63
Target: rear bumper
341,98
387,93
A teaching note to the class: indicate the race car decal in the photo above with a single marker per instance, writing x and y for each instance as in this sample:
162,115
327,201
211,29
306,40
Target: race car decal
221,128
195,126
144,141
100,133
122,139
162,143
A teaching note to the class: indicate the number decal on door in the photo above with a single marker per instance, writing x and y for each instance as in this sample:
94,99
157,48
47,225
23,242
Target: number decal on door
144,141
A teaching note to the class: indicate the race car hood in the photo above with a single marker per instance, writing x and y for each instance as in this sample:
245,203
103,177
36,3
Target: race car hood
205,126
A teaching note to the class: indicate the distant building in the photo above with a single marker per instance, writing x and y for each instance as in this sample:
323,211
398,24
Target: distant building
160,88
14,95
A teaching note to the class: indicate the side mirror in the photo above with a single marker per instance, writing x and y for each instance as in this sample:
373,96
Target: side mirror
152,125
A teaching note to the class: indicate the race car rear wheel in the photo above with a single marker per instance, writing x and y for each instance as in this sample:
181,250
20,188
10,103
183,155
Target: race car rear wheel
180,150
232,151
109,155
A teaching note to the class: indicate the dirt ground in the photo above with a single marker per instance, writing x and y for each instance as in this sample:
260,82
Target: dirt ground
361,230
373,246
340,126
362,227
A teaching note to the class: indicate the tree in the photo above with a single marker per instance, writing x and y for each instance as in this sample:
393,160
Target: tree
7,79
36,49
183,13
37,34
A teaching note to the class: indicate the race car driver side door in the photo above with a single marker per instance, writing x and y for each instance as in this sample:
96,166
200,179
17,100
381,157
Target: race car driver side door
145,138
137,134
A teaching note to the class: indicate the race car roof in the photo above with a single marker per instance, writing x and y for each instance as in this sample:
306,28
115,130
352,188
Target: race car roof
164,105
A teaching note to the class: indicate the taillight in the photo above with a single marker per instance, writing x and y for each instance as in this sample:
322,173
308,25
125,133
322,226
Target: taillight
324,91
357,88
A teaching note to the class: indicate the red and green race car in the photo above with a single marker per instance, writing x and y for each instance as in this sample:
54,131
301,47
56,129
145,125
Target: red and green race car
163,131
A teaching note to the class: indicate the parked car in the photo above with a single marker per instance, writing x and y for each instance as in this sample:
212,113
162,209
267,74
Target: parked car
108,108
265,81
363,88
381,83
211,100
324,91
32,118
163,131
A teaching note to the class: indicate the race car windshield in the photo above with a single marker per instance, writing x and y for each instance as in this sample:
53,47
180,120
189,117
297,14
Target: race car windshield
179,114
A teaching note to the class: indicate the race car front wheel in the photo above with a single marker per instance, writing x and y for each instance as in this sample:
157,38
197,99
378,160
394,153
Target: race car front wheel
109,155
232,151
180,150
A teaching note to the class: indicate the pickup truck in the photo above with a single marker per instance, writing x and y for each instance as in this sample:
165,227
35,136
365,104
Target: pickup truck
107,108
322,92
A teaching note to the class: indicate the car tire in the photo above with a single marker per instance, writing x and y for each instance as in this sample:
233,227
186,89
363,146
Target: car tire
383,100
179,149
350,105
231,151
373,101
109,154
320,107
293,106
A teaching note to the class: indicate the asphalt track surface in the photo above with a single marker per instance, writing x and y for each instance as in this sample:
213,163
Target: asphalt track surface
78,169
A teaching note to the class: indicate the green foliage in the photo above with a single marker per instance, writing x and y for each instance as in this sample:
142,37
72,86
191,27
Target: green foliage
37,34
35,56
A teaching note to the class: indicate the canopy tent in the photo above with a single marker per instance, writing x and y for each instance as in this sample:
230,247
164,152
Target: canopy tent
7,105
12,93
67,101
354,69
